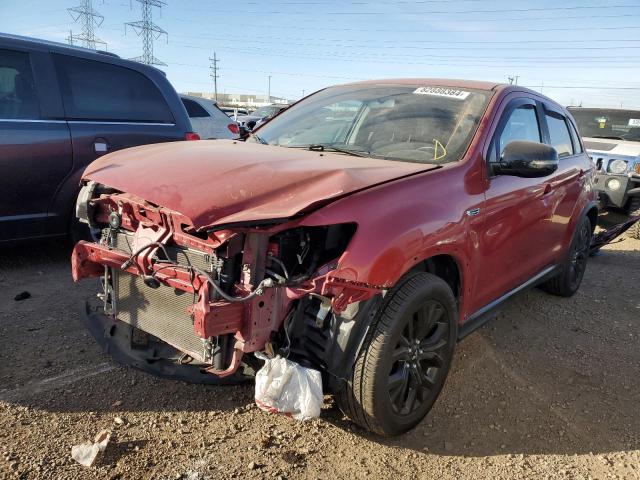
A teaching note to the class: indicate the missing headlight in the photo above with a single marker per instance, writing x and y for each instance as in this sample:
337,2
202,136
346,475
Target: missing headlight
303,250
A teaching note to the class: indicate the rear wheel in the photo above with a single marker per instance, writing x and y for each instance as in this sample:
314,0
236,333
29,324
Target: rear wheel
634,211
567,282
404,359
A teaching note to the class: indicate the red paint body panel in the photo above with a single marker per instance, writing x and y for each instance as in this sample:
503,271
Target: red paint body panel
216,182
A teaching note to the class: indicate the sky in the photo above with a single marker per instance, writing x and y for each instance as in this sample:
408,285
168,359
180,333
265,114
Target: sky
575,52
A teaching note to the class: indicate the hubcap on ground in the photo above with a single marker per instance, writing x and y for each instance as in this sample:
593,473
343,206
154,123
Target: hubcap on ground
418,357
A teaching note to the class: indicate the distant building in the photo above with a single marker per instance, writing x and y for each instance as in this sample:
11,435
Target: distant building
240,99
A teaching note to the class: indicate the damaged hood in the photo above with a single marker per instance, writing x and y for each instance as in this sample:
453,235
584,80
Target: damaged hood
217,182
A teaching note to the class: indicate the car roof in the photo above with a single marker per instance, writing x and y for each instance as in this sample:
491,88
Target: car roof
432,82
495,87
73,50
199,99
449,82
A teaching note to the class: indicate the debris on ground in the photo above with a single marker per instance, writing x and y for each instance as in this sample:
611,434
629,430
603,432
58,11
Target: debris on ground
604,237
86,453
283,386
22,296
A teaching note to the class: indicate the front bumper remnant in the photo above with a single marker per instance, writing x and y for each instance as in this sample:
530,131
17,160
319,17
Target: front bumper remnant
158,358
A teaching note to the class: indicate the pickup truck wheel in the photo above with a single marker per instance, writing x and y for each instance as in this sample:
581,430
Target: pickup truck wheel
634,210
405,357
567,282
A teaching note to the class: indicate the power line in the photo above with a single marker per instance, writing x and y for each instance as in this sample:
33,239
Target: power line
318,26
289,38
429,12
88,18
299,74
214,74
360,58
442,60
369,46
149,32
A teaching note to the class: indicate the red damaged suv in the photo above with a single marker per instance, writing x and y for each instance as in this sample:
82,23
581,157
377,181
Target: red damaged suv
362,232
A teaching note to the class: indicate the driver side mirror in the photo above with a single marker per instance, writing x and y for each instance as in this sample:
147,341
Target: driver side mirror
526,159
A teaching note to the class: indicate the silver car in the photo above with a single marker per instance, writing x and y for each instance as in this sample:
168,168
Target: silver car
208,120
612,139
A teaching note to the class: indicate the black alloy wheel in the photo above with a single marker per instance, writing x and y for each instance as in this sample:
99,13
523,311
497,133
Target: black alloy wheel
571,271
418,357
580,254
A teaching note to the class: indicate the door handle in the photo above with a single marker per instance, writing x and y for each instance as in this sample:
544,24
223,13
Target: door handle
100,147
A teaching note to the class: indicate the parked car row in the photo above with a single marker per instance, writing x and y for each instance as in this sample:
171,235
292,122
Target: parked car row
207,120
259,116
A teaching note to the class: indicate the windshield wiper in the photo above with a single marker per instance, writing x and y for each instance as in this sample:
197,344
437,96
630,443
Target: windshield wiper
318,147
260,139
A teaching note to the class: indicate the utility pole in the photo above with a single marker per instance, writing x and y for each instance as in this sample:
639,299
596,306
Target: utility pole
214,74
88,18
302,93
269,100
513,80
149,32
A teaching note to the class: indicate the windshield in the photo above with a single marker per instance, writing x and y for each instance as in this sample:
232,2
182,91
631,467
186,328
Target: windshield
608,123
396,122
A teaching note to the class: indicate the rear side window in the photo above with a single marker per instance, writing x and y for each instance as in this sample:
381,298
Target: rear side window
521,124
194,109
18,98
559,134
94,90
577,148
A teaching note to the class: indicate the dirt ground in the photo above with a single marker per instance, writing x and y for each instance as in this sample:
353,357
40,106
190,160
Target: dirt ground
549,389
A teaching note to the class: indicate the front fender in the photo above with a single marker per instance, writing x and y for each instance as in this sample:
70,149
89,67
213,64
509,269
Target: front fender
402,224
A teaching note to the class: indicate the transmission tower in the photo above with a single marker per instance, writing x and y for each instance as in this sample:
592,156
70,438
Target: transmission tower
214,74
88,18
149,32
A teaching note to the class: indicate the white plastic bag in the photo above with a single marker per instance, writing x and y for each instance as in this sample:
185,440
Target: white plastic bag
86,453
283,386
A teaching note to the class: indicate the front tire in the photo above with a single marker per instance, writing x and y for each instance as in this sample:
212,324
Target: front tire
405,357
568,281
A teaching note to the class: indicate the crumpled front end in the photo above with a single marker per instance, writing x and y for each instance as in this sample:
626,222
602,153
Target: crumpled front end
212,296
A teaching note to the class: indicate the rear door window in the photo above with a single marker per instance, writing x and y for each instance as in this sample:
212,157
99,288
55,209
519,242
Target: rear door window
577,148
18,97
559,134
194,109
99,91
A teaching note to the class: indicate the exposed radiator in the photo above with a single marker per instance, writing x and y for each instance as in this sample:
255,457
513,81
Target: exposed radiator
162,311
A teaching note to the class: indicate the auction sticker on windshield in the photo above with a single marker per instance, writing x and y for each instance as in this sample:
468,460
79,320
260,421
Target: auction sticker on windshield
442,92
634,122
